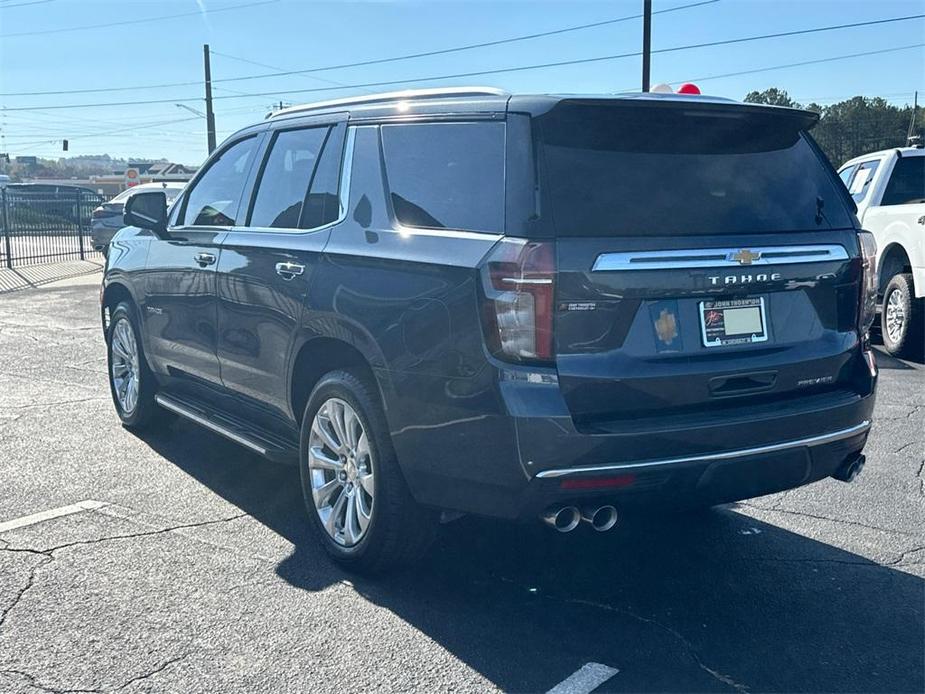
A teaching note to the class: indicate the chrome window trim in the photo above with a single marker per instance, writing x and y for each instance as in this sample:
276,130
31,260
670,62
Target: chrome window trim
343,189
717,257
820,440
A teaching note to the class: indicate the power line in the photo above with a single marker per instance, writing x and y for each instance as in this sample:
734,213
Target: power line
460,75
725,42
272,67
100,134
806,62
285,73
386,83
25,4
133,21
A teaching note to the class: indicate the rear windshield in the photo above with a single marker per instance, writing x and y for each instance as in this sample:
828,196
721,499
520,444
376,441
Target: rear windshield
636,170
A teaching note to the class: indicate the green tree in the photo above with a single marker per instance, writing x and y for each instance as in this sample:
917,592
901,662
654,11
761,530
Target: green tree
772,97
852,127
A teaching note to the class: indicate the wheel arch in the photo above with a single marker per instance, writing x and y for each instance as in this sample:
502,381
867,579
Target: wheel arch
319,355
112,294
894,260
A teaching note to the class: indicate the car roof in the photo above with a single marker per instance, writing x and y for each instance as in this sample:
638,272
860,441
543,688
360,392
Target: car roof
880,154
488,101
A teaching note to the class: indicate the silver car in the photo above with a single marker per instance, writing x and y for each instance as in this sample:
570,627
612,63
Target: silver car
107,218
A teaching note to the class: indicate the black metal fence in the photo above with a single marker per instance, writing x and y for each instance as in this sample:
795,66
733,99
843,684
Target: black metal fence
45,225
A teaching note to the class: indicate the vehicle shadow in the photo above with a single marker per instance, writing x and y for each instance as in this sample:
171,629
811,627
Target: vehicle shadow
715,601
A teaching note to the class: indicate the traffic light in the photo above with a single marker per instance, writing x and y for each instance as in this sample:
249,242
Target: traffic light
65,146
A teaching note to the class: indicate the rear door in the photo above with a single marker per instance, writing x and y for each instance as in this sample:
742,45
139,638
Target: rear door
181,315
707,260
268,262
900,216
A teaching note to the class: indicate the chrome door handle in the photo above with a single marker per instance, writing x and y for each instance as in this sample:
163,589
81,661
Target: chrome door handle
205,259
289,270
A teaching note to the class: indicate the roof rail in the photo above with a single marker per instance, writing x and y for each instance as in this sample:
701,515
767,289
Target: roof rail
391,96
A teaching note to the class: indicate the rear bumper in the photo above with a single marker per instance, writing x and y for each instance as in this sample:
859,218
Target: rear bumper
719,457
513,456
699,480
700,461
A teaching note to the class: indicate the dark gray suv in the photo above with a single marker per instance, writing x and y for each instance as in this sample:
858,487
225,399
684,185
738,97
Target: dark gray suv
463,301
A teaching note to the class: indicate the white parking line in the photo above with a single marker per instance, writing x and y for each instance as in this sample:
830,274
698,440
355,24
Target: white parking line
34,518
586,679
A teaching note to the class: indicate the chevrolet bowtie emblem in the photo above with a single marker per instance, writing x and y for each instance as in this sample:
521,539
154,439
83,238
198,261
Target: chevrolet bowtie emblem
745,257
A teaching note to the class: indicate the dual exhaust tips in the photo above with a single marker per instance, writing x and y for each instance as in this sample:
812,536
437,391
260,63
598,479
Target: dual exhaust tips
566,518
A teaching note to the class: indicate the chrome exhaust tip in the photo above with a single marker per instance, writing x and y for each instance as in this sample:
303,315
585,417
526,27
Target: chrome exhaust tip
601,518
562,518
849,471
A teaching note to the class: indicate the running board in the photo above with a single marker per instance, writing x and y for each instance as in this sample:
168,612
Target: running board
269,446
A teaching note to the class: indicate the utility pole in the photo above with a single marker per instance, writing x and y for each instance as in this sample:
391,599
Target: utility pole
210,115
646,42
915,109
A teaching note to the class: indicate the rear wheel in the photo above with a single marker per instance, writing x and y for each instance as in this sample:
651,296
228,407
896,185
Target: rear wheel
901,318
131,383
354,492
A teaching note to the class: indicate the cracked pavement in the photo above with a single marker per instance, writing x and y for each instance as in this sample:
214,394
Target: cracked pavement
199,573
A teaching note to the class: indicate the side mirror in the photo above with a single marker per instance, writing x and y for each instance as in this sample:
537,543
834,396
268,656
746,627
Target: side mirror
148,211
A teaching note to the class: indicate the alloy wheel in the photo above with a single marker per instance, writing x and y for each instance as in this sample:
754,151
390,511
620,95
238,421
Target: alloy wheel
126,370
341,468
895,316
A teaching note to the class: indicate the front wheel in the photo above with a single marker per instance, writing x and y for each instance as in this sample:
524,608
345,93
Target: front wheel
901,318
354,491
131,383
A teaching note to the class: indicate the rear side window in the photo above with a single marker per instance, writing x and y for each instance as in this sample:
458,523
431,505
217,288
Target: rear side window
215,198
860,182
623,170
287,173
907,182
446,175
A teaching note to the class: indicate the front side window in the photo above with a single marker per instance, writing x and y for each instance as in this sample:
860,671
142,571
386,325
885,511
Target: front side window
446,175
286,176
215,199
907,182
860,183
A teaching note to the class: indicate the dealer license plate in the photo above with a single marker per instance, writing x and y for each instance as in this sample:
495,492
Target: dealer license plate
733,322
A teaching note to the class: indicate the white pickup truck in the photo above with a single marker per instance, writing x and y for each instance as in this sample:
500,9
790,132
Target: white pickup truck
889,190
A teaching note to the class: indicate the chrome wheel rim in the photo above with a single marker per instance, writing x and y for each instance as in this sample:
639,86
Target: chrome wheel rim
895,316
341,467
125,365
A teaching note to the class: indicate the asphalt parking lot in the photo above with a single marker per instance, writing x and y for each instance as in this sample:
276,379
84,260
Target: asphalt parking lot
183,563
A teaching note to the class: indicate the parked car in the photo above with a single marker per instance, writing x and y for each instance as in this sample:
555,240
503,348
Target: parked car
107,218
527,307
889,189
50,205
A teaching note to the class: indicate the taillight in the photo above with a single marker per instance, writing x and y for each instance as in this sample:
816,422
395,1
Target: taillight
869,281
518,285
103,213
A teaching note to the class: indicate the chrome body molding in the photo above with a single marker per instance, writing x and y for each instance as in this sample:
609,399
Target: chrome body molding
759,256
820,440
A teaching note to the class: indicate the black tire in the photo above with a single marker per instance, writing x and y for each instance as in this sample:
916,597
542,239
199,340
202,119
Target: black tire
907,342
145,412
399,530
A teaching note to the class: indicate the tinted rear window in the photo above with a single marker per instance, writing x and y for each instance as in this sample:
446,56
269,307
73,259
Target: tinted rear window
907,182
631,170
446,175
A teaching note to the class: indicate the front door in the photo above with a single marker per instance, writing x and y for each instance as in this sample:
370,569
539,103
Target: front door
266,266
180,311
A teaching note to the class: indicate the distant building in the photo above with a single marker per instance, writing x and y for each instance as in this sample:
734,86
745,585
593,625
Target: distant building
110,185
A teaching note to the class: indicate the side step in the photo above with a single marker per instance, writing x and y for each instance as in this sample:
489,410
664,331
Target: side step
269,446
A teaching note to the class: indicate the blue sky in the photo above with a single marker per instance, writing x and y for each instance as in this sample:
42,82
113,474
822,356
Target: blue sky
301,34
